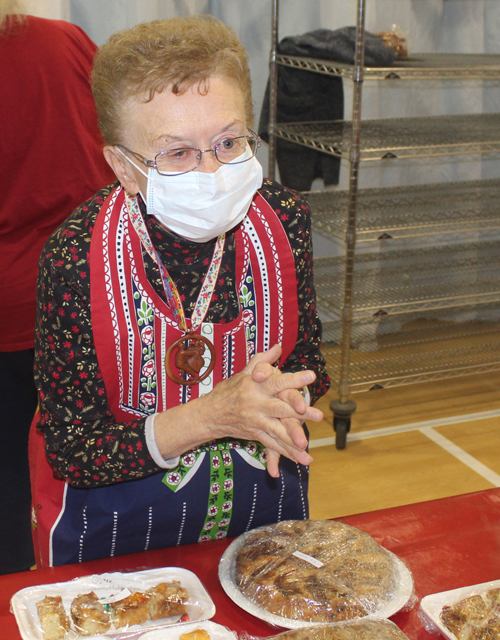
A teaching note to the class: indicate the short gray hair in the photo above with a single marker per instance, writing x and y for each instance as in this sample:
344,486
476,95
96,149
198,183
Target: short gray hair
178,53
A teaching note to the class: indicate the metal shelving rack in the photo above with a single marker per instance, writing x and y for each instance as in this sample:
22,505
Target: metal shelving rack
391,138
410,212
421,66
426,329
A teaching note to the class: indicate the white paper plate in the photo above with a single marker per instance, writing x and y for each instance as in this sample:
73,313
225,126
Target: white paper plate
23,603
216,631
431,605
227,566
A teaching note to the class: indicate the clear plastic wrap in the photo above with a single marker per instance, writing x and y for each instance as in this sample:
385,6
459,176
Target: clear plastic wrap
121,605
299,572
396,41
353,630
468,613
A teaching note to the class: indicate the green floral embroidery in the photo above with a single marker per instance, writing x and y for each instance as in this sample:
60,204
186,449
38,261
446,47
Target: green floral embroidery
145,314
220,503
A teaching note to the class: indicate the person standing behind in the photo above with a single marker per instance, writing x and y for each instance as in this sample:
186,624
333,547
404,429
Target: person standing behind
50,161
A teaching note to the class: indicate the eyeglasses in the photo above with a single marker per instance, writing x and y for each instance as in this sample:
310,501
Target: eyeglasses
178,161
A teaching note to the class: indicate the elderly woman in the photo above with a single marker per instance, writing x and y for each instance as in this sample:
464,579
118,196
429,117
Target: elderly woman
169,306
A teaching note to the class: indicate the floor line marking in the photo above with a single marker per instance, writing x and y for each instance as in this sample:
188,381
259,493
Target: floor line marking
412,426
462,455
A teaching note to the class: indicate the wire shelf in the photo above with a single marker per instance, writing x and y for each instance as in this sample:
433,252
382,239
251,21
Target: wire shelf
425,66
414,327
402,281
412,211
414,137
439,353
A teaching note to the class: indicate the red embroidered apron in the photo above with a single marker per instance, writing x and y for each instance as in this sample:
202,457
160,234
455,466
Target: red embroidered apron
217,490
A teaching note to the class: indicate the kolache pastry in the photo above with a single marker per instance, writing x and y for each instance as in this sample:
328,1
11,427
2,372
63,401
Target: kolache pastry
53,618
167,599
474,618
134,609
90,617
315,570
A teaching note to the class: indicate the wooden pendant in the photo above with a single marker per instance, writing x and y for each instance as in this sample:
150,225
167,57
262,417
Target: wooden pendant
188,358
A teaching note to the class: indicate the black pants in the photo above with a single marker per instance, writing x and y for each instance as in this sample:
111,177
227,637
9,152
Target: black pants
18,402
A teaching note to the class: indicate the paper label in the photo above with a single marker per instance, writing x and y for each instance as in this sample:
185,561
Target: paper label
310,559
116,597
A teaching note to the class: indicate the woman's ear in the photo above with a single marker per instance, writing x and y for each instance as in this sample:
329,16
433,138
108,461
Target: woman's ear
122,168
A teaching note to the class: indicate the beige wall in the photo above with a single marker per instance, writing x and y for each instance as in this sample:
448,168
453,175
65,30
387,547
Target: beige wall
56,9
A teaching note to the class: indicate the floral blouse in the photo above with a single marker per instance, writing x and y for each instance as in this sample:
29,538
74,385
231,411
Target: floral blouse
84,444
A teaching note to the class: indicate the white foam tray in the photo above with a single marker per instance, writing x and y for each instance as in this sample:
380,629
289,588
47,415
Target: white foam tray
431,605
23,603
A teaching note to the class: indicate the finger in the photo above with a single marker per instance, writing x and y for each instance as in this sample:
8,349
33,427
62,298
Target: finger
296,455
313,414
288,439
274,407
294,398
277,435
263,370
273,458
296,433
297,380
302,458
270,356
278,447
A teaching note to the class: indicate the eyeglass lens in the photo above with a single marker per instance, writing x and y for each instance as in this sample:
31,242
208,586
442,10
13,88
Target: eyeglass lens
229,151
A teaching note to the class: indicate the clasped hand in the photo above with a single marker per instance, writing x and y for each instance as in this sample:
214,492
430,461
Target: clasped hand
260,403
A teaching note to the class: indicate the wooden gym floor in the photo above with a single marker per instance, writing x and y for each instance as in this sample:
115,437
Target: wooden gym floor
408,444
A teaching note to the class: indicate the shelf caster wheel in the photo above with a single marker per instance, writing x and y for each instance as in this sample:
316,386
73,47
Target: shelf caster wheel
342,412
342,426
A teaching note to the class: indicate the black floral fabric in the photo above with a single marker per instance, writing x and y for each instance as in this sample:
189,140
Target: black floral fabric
84,443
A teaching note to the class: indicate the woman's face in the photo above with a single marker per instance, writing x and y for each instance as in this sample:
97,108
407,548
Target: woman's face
171,121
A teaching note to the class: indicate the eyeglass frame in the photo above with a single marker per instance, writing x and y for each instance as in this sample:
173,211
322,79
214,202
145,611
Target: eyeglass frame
153,163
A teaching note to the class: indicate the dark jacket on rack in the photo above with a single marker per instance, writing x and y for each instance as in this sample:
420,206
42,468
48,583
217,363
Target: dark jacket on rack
312,97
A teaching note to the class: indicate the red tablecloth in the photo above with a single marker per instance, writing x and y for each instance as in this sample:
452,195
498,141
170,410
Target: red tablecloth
448,543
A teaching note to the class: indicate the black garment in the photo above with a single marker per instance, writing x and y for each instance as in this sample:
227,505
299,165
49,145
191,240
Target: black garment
304,97
18,400
338,45
311,97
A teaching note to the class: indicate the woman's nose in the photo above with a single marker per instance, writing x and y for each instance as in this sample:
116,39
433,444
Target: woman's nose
208,163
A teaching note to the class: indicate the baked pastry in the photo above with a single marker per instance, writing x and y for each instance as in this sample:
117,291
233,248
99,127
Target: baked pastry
134,609
90,617
474,618
359,630
395,42
314,570
167,599
493,598
53,618
196,634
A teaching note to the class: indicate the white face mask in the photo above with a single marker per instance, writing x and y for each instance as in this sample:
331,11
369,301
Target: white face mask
200,206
